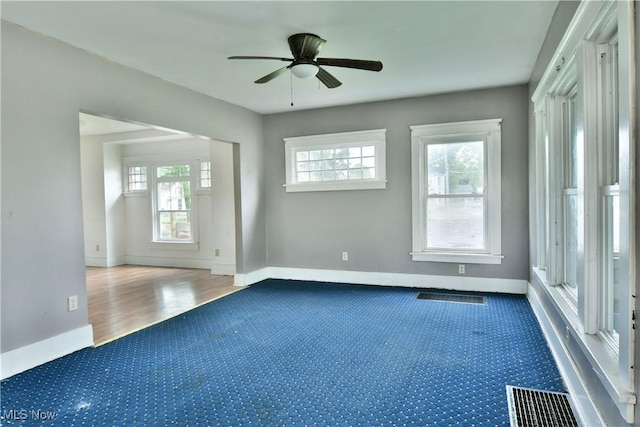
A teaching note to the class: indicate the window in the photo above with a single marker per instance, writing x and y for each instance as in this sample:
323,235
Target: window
584,104
456,192
136,178
340,161
205,174
608,159
173,202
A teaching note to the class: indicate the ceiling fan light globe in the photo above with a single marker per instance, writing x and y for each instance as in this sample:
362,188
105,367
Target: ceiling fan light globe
304,71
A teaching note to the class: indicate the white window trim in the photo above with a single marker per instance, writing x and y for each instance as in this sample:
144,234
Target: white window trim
157,243
487,130
375,137
591,22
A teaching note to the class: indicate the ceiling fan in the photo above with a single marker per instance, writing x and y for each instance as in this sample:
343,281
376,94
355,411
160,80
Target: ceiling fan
304,64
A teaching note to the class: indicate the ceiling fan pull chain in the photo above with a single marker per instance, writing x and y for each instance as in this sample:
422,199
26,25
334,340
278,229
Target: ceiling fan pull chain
291,81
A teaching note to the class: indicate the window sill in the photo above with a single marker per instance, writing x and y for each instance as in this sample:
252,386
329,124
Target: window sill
604,365
143,193
337,185
454,257
175,246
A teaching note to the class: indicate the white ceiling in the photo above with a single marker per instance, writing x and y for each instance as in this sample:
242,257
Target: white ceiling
426,47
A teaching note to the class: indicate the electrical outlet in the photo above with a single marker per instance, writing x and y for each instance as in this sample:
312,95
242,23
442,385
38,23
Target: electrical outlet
460,268
566,333
72,302
217,252
345,256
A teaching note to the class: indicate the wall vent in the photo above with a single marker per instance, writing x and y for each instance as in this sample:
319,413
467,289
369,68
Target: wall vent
465,299
537,408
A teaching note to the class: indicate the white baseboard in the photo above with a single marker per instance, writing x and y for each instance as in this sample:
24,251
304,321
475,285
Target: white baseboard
582,403
168,262
116,261
459,283
246,279
223,269
95,261
24,358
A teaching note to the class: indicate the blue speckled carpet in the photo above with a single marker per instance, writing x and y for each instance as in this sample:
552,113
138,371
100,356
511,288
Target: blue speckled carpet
291,353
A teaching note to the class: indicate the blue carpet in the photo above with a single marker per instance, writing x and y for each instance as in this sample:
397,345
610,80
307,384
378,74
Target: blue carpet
300,353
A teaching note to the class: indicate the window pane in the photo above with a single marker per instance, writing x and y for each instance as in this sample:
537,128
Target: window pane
174,196
455,223
340,153
327,165
302,155
327,154
369,151
611,265
175,225
571,240
456,168
315,154
173,170
315,166
342,174
355,163
368,162
355,152
328,176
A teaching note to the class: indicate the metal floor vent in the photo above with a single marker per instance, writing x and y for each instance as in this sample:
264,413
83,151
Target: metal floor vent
536,408
466,299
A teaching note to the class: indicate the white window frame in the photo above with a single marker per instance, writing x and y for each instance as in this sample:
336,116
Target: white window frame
194,176
204,188
596,23
125,179
488,131
375,137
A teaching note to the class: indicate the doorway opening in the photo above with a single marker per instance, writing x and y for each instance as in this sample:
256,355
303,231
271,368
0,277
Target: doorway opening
159,222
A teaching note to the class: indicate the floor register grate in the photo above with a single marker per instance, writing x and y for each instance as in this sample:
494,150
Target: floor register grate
466,299
536,408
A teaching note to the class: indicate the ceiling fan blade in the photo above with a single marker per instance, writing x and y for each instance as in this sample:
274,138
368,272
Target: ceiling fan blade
359,64
327,78
272,76
261,57
305,46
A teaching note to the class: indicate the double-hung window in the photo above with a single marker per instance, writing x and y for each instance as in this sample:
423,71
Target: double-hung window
584,104
173,203
456,192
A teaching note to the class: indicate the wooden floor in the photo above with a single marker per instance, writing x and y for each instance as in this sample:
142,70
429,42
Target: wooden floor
128,298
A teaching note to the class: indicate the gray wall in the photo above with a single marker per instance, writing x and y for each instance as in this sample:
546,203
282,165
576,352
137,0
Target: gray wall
310,230
44,85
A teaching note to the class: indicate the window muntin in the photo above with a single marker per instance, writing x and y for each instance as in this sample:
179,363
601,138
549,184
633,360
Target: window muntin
173,203
344,161
136,178
456,192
